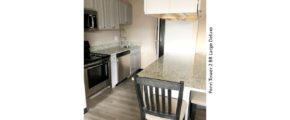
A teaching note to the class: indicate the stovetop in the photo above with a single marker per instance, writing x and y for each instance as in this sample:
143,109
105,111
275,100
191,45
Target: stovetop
95,57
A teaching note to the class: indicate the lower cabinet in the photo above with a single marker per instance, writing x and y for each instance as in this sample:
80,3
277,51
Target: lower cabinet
135,59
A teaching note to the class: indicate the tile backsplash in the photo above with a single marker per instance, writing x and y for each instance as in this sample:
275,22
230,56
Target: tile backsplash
102,39
104,46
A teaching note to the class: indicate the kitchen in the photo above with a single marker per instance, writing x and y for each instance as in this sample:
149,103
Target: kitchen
124,40
42,60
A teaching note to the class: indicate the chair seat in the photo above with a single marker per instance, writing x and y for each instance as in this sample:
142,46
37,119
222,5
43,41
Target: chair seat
174,101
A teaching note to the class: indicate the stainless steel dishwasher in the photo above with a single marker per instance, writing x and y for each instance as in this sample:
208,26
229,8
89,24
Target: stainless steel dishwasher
123,63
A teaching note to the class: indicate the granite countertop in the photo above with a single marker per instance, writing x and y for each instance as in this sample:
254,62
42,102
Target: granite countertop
191,70
114,50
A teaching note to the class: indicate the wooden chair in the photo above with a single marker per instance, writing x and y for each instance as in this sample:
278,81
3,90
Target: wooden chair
158,106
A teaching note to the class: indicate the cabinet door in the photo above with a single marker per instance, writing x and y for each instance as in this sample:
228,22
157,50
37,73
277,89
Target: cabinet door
115,14
108,17
156,6
107,13
125,13
128,14
88,4
135,60
132,65
182,6
121,12
99,7
170,6
138,64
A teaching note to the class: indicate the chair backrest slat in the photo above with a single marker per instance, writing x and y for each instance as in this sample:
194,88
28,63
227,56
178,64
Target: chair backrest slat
163,99
155,107
157,99
151,98
169,101
146,97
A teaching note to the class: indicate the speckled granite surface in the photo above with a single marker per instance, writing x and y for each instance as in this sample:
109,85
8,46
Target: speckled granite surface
113,50
199,71
191,70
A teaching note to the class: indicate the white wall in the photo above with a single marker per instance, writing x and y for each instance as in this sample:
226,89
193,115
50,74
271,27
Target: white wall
180,38
142,32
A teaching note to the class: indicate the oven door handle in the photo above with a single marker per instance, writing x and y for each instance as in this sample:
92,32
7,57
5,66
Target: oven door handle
93,22
106,70
93,66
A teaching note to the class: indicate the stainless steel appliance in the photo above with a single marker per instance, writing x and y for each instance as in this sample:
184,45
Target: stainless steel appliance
96,71
123,63
90,20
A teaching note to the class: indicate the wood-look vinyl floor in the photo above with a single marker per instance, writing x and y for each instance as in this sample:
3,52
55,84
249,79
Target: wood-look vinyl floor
119,103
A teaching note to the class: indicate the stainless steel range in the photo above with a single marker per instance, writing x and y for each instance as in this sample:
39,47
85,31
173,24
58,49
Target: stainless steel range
96,72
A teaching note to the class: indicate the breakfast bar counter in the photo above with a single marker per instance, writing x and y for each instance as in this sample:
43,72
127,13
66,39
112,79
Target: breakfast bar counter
191,70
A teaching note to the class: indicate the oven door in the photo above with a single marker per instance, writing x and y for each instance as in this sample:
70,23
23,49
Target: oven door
96,77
